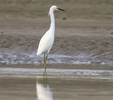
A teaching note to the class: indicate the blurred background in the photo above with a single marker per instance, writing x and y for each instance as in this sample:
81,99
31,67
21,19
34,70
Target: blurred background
88,9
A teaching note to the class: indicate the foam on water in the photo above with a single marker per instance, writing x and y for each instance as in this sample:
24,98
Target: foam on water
25,58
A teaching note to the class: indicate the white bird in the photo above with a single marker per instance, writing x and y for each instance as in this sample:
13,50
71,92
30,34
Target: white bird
43,93
47,40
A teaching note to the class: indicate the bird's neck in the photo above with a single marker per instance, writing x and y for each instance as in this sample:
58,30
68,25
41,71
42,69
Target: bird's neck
52,25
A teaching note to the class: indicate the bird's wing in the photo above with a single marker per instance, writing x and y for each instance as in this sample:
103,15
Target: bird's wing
43,93
46,42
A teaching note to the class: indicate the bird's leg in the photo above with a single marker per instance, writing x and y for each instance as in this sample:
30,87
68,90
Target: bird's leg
44,74
44,78
46,56
44,61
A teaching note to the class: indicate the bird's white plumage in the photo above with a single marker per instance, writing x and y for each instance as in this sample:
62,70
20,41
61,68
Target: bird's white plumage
43,93
45,43
47,40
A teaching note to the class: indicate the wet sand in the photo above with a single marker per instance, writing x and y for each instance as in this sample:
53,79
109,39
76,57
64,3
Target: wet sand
87,38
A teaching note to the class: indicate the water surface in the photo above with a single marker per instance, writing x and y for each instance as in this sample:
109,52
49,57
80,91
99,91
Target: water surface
66,84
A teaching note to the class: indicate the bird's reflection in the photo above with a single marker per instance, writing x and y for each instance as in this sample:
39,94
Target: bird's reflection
45,77
43,91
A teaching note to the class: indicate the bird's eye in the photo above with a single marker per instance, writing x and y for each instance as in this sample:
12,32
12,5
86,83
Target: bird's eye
56,7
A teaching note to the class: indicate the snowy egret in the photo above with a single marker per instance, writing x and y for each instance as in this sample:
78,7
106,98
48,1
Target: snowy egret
47,40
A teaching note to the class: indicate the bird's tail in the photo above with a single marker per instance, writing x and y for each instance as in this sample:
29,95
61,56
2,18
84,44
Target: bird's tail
38,53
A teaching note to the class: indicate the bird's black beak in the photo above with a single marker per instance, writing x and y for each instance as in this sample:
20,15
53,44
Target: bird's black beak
61,9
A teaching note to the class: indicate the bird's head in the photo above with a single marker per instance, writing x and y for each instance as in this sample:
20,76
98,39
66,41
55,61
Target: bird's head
53,8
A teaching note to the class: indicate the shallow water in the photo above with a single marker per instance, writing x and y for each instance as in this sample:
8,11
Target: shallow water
56,73
65,84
